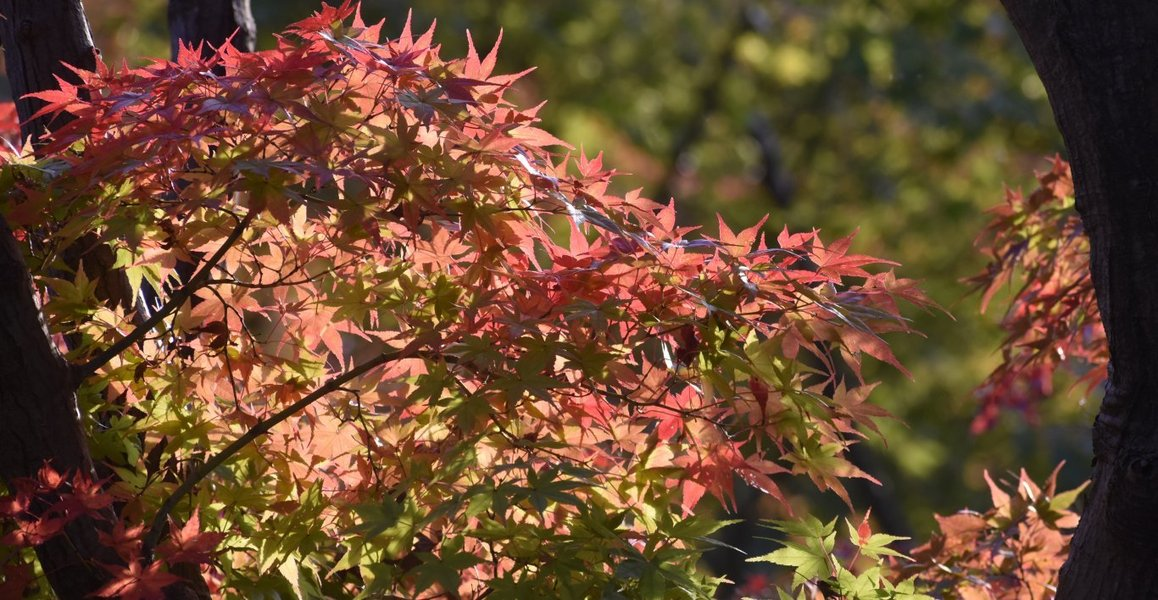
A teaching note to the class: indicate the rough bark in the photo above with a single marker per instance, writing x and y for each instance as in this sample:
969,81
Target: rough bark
39,418
37,38
1099,67
212,22
39,423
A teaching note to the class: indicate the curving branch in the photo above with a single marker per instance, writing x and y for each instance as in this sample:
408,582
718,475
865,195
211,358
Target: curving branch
156,528
199,279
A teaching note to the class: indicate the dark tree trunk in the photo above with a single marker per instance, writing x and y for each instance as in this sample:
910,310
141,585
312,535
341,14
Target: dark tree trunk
212,22
37,37
1099,63
39,424
39,420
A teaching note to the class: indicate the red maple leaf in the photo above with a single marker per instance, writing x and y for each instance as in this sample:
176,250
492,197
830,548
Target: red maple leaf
189,543
32,533
135,582
126,540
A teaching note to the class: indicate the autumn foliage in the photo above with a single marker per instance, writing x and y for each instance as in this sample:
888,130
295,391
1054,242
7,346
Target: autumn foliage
1052,320
1012,551
393,339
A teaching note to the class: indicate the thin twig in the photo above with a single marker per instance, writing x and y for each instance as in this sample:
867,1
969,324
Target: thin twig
156,528
178,298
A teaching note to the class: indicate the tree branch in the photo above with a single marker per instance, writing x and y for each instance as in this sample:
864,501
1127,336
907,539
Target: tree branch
156,528
175,301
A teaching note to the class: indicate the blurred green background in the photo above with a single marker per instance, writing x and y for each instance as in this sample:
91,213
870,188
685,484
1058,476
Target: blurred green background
903,119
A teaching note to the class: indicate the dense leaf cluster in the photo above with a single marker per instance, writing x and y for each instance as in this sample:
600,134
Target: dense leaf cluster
1012,551
388,342
1052,320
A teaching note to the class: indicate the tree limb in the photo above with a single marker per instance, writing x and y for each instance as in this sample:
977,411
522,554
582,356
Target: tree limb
156,528
175,301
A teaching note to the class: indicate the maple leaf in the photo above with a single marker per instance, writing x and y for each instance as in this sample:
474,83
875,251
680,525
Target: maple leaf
136,582
87,496
188,543
13,505
864,531
1052,322
481,69
34,532
124,539
50,478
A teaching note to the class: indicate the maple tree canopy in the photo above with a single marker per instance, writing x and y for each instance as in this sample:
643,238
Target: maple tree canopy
423,347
